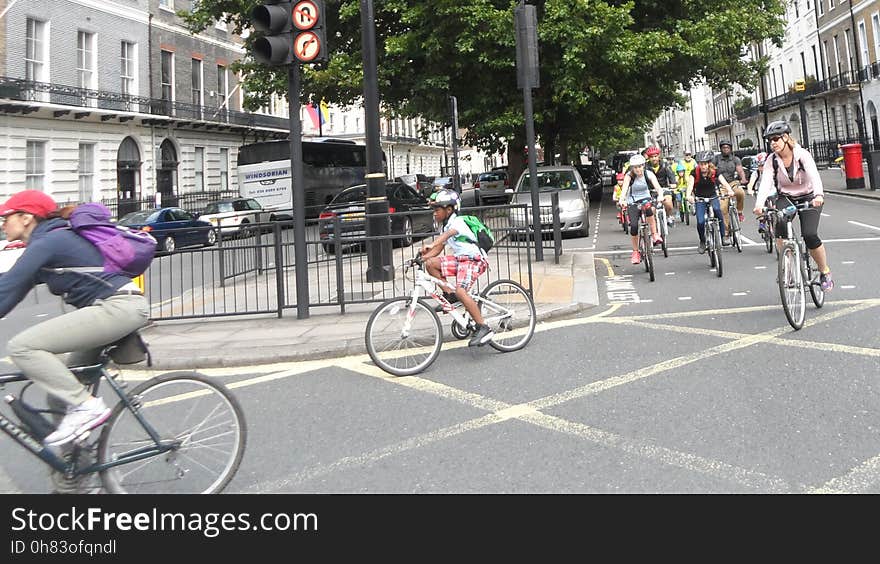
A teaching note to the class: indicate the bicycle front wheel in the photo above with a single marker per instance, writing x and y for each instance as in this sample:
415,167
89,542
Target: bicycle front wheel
401,342
768,235
198,417
816,291
510,314
735,229
791,286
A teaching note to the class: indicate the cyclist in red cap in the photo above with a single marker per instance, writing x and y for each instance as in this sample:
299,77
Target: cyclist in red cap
665,177
109,305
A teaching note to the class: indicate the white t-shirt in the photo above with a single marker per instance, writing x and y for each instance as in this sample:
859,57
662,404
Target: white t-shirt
460,247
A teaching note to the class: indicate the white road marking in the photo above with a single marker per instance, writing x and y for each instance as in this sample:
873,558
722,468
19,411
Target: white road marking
853,240
670,274
683,298
760,267
865,225
848,262
747,240
847,287
825,214
740,293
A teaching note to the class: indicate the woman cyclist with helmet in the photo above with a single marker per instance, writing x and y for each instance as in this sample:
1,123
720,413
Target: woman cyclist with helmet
636,190
467,261
703,183
790,175
665,177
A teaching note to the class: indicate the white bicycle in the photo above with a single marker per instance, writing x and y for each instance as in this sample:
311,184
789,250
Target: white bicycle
404,335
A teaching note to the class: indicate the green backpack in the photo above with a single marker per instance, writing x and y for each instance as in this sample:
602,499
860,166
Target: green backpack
482,234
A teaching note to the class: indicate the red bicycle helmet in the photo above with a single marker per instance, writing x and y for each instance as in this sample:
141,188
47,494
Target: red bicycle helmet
652,151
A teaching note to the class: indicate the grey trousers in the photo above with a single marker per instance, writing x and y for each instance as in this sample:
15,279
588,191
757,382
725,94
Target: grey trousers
82,332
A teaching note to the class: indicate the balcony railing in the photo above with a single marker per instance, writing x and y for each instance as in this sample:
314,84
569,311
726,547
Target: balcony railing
718,125
842,80
92,100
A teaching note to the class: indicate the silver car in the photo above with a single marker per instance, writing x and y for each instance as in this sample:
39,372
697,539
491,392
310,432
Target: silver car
574,205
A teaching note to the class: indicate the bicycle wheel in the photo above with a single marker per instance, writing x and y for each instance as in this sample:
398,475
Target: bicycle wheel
735,229
791,286
664,231
648,254
710,243
816,291
399,350
198,415
716,234
511,315
768,234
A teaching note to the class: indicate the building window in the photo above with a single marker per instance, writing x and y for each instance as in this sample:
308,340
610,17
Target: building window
35,55
830,4
200,169
35,165
197,92
863,45
167,79
222,87
85,59
837,55
128,67
224,169
167,4
86,172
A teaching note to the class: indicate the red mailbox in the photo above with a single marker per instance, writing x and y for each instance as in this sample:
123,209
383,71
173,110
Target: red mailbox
852,160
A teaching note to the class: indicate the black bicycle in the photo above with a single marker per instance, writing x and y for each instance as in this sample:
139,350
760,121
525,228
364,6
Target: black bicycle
768,232
713,235
646,240
796,270
734,223
179,432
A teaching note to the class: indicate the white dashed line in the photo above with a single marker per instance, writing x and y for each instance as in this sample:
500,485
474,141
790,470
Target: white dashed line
865,225
848,262
740,293
847,287
684,298
670,274
760,267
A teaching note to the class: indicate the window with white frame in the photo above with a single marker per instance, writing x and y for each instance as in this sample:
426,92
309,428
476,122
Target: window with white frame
830,4
863,44
849,56
128,67
875,27
85,60
837,55
35,165
86,172
224,168
36,47
167,4
222,86
166,79
200,169
198,94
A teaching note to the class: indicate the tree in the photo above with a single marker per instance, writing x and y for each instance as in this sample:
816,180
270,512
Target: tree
607,67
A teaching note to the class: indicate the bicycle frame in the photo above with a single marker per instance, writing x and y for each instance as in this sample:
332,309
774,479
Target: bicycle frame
23,437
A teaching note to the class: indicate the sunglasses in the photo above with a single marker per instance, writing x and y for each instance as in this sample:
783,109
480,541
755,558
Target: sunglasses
3,219
775,138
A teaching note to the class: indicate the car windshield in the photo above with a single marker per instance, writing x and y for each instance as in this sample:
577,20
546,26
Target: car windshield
549,180
139,217
221,207
491,176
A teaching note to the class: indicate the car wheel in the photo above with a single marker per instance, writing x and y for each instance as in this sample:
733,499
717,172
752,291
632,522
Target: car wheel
407,238
169,245
211,239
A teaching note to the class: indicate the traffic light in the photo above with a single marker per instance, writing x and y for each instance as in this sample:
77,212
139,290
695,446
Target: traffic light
309,37
273,21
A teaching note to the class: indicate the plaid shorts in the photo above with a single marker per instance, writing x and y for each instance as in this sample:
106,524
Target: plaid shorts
465,269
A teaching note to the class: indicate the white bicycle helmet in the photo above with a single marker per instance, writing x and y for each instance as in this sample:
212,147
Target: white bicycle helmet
636,160
445,198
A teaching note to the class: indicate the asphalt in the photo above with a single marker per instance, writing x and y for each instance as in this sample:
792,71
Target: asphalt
560,290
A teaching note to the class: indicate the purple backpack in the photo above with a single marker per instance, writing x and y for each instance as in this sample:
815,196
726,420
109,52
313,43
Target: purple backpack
126,251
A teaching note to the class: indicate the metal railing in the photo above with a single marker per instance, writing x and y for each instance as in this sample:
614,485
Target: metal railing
87,99
255,273
824,152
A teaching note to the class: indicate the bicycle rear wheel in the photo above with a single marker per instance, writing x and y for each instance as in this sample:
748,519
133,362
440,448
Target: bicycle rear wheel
512,318
816,291
735,229
664,231
716,250
400,351
198,415
791,286
768,234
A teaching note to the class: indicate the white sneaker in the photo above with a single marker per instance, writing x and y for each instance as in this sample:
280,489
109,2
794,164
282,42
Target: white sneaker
79,420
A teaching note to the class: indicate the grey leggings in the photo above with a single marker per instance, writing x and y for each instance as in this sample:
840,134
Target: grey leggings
82,332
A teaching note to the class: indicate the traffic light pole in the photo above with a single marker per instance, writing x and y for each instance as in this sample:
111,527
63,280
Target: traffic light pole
379,267
300,251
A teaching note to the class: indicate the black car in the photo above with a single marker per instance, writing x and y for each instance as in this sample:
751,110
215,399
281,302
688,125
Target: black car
411,217
592,177
421,183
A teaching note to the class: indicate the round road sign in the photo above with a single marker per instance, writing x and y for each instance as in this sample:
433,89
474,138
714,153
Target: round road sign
305,15
306,46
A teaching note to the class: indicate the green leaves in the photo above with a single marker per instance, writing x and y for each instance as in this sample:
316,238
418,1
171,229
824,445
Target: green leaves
607,67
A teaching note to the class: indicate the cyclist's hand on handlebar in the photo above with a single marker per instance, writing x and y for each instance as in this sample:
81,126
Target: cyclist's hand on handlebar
818,201
690,199
758,211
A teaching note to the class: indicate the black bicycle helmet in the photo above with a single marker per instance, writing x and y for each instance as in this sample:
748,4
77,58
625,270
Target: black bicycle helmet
705,157
776,128
724,142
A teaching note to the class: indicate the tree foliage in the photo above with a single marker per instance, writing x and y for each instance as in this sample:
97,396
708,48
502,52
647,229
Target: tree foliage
608,67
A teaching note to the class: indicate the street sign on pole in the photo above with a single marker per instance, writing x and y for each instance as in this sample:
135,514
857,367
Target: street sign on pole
527,73
800,85
310,38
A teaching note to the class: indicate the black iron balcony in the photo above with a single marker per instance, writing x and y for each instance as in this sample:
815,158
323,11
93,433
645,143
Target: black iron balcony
97,100
718,125
814,89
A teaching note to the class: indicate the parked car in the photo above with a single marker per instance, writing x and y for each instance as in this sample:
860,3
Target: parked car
592,177
574,204
492,186
173,228
234,216
411,215
421,183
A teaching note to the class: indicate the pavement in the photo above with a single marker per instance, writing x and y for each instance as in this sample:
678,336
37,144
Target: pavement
560,290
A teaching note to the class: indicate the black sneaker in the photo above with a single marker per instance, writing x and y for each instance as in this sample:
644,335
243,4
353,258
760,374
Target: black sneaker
483,335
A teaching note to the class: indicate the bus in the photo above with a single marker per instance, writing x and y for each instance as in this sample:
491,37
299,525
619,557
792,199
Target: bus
329,166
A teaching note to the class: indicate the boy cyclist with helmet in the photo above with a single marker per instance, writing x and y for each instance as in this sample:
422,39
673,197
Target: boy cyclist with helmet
467,261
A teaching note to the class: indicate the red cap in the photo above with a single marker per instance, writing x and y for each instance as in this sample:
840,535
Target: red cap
30,201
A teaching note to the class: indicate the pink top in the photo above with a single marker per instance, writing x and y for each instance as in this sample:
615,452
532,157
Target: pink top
806,177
